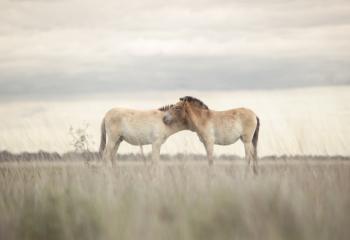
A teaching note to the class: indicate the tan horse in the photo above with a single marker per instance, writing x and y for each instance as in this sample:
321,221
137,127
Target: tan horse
217,127
137,128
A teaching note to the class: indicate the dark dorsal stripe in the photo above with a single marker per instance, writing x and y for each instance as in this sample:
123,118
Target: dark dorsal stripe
195,101
166,107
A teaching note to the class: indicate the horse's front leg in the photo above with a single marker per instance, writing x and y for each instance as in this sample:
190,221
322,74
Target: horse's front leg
209,147
156,152
249,155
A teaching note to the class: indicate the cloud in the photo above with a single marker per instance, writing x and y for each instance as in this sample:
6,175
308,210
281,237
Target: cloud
58,47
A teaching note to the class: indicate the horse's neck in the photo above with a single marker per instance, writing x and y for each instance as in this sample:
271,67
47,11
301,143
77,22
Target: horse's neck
197,118
174,128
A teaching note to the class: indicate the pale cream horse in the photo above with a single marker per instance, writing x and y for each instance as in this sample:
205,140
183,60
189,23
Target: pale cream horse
137,128
217,127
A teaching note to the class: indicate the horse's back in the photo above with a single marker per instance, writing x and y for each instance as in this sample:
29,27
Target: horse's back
122,113
241,114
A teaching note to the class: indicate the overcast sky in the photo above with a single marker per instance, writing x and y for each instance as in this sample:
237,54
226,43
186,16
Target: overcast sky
69,47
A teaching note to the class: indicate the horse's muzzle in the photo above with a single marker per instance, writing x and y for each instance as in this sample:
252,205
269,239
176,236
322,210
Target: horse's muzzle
167,120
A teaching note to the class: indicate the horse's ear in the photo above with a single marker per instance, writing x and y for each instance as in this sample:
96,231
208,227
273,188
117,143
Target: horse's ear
182,99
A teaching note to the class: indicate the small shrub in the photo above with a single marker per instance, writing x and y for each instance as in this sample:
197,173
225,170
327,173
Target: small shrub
81,139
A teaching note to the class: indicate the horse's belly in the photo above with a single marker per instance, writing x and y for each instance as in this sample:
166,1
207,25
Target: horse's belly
227,132
226,141
227,138
138,139
140,135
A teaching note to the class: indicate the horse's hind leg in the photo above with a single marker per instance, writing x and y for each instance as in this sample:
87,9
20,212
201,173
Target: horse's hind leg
249,155
115,150
111,150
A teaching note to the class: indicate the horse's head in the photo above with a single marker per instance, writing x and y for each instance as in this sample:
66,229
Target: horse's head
178,113
175,114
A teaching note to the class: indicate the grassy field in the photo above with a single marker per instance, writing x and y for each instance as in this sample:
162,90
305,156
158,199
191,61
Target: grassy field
176,200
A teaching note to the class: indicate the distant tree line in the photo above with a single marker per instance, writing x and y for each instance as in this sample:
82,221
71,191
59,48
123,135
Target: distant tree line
6,156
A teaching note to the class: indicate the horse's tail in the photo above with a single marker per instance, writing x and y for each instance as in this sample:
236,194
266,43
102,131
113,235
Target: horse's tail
103,137
255,138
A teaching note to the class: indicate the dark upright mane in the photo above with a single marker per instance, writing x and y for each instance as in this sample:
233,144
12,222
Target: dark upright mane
166,107
194,100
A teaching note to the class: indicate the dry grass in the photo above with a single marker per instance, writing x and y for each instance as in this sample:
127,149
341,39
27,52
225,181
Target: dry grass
174,201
